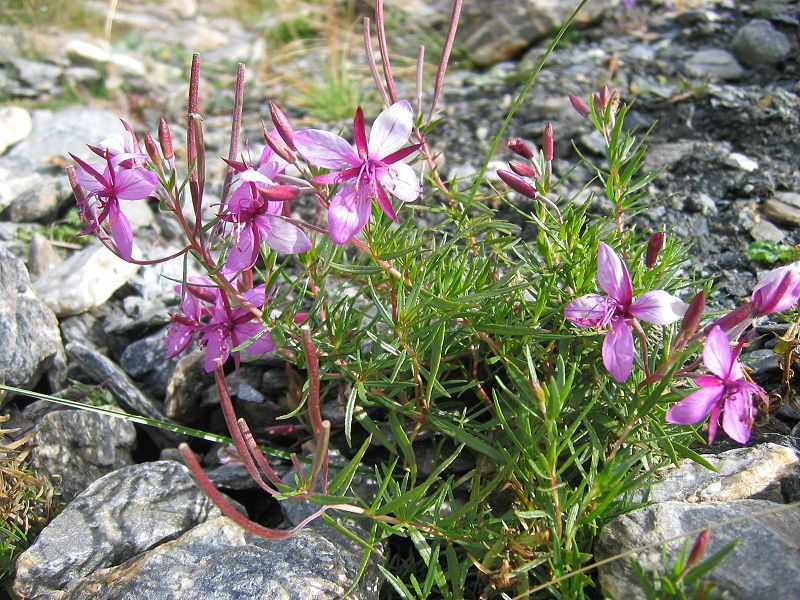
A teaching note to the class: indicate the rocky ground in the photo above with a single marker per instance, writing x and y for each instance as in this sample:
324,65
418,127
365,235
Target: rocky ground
720,78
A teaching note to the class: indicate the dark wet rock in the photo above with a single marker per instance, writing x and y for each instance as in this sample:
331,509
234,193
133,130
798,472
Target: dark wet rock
761,539
29,336
761,362
760,43
102,370
715,64
76,447
217,559
118,517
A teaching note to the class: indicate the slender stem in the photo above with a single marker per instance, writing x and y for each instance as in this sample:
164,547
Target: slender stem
380,25
444,59
420,68
312,361
373,67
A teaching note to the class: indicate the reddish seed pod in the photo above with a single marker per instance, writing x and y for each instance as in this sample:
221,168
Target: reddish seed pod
517,184
522,169
165,139
579,104
520,147
654,246
548,142
691,320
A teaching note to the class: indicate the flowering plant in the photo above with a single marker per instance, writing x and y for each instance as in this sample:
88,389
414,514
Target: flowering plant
501,431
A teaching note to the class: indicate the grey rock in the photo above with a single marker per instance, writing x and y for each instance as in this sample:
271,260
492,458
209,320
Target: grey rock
146,360
750,472
702,203
763,230
665,155
101,369
185,388
715,64
42,255
39,76
780,212
759,43
740,162
15,126
762,538
98,54
30,195
761,362
219,560
29,336
118,517
790,198
85,280
76,447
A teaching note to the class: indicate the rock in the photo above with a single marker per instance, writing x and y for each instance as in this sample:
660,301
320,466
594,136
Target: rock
74,448
761,362
763,230
780,212
759,43
99,54
42,255
217,559
85,280
790,198
762,539
40,77
102,370
119,516
702,203
750,472
30,195
740,162
185,388
668,154
146,360
29,336
15,126
715,64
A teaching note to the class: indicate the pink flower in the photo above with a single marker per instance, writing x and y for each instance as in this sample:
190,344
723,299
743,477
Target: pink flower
725,391
618,310
367,170
777,291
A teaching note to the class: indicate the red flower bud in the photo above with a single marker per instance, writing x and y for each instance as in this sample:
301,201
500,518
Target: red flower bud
691,319
280,193
654,246
282,125
165,139
579,104
517,184
522,169
605,96
278,146
520,147
547,142
698,549
152,150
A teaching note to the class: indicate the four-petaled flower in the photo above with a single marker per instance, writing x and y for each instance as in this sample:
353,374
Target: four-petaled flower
725,391
367,170
618,310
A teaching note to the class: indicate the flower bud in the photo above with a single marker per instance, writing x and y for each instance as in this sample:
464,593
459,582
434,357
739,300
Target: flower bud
691,319
605,95
522,169
698,550
152,150
165,140
654,246
547,142
517,184
278,146
282,125
279,193
520,147
579,104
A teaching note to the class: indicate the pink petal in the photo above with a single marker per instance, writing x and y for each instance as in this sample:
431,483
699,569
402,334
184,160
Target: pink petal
216,347
613,276
618,350
134,184
323,149
591,310
282,236
385,202
696,405
244,251
737,418
337,176
391,129
778,291
718,356
658,307
401,181
88,179
120,230
122,143
360,134
178,338
348,213
248,330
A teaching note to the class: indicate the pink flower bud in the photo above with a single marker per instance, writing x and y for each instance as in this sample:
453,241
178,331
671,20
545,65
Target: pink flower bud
517,184
165,139
278,146
152,149
605,96
300,317
522,169
520,147
579,104
654,246
282,125
698,550
280,193
547,142
691,319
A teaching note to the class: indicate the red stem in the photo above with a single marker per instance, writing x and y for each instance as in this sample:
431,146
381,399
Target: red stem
380,25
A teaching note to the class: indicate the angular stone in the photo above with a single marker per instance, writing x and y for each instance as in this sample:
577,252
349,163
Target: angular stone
42,255
119,516
185,388
99,54
780,212
714,63
763,538
217,559
759,43
15,126
29,336
146,360
749,472
85,280
74,448
764,230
